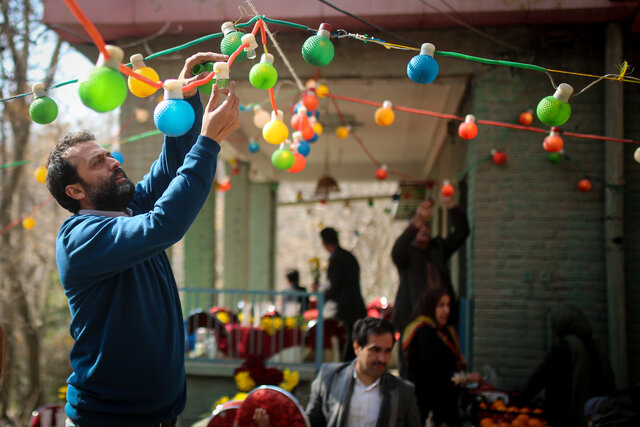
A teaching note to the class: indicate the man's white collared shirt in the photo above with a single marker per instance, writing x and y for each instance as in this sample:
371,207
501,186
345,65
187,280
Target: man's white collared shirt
365,403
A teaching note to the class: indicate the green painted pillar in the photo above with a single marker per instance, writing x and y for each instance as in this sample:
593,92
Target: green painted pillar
262,224
237,205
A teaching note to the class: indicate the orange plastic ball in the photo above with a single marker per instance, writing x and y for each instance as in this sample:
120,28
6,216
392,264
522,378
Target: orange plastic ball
526,118
584,185
553,143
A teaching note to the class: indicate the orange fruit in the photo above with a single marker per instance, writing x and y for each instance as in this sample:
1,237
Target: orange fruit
518,423
535,422
512,409
524,418
482,405
504,424
538,411
499,405
487,422
525,410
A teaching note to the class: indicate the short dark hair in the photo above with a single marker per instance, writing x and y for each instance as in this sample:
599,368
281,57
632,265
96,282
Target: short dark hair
60,172
366,326
293,276
329,236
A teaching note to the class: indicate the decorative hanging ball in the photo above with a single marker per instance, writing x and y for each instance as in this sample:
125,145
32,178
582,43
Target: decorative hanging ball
468,129
28,223
553,142
173,116
231,41
310,100
342,132
554,110
207,67
222,74
308,134
254,147
381,173
322,91
137,87
43,110
584,185
142,115
555,158
636,155
317,127
250,39
300,119
282,158
499,157
40,174
384,115
104,88
423,68
447,189
275,131
116,153
526,118
224,185
318,50
299,162
263,75
304,148
260,117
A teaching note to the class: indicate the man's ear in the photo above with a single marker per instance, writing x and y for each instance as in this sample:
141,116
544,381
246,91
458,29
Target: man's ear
356,347
75,191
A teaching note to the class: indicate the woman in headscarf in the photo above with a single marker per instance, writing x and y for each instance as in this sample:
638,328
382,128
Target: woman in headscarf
572,372
433,353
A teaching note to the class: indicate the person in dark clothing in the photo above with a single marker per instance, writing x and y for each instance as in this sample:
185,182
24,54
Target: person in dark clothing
422,263
620,409
293,284
343,278
433,356
572,372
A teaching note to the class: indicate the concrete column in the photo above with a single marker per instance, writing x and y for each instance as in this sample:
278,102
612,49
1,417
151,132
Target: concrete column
200,248
237,231
262,236
614,209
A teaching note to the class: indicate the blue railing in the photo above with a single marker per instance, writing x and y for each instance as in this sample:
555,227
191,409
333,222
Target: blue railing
230,325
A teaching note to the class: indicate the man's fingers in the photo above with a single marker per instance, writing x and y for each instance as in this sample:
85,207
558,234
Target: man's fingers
213,99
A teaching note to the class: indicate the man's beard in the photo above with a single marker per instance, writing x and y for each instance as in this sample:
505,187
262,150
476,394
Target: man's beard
110,196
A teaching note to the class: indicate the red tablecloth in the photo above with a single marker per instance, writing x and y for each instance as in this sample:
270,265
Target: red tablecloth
247,340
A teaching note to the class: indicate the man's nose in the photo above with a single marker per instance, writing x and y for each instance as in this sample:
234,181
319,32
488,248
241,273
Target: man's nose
115,164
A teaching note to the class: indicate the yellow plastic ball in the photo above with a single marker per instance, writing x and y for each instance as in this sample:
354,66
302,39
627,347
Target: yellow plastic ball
342,132
275,132
28,223
142,89
317,128
384,116
322,91
40,174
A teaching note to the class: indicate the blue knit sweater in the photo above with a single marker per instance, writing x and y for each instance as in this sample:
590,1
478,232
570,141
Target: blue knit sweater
126,319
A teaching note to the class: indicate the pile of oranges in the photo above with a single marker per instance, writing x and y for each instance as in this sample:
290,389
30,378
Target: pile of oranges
498,414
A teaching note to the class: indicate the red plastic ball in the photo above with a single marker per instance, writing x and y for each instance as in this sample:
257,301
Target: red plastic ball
526,118
308,133
310,100
300,121
224,186
381,174
447,190
299,162
467,130
584,185
499,158
553,143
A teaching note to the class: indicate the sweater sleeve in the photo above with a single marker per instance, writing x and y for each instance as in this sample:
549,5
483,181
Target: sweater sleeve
400,250
460,232
164,169
97,246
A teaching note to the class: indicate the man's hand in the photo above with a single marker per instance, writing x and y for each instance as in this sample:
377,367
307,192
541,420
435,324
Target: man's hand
423,213
220,122
186,75
261,417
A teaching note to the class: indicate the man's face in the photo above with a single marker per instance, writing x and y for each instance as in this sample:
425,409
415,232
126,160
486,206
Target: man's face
104,183
373,358
423,237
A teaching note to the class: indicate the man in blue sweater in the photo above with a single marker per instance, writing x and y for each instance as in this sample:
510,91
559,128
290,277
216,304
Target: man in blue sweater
126,319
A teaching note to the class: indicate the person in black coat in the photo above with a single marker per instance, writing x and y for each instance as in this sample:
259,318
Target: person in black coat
343,276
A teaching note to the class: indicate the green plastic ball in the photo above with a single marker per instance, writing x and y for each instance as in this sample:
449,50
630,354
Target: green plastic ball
43,110
201,68
103,89
553,112
230,43
282,159
263,76
554,158
318,51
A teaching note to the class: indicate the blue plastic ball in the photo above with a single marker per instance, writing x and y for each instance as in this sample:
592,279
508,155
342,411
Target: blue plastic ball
313,139
173,117
254,147
422,69
118,156
304,148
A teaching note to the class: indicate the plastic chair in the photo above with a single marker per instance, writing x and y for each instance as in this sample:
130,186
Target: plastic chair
48,416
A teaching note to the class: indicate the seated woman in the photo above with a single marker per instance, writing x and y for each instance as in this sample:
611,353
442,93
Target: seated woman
573,370
433,353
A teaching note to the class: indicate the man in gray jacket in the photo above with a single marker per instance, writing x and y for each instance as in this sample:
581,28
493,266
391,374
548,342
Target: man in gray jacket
363,393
